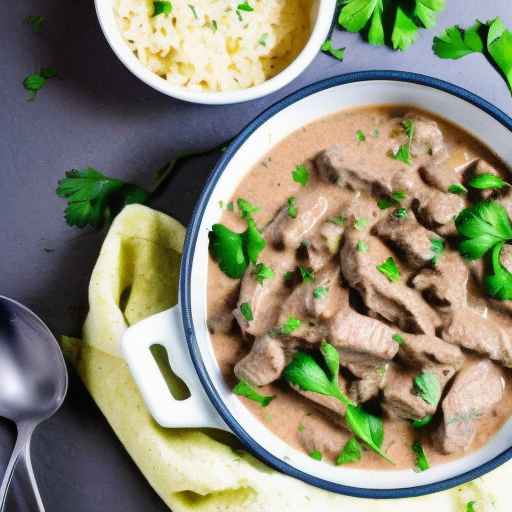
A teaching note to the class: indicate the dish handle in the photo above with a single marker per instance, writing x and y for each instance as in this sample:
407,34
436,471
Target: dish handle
166,329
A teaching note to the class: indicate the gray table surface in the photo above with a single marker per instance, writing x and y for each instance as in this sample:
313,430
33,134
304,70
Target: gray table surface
98,114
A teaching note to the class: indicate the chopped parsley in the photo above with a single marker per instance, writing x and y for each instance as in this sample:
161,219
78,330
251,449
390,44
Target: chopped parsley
457,188
94,198
470,506
328,48
307,274
421,458
499,284
404,151
36,22
338,220
360,223
194,12
292,207
370,17
390,270
292,324
162,7
400,213
315,454
36,81
263,272
428,387
246,208
320,292
301,175
427,420
351,452
394,200
246,310
262,41
487,181
214,25
360,136
245,7
437,249
361,246
243,388
398,338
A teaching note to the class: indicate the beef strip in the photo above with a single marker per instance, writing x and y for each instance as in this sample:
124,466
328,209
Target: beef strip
476,390
445,285
472,331
395,301
369,386
324,244
428,138
265,362
409,236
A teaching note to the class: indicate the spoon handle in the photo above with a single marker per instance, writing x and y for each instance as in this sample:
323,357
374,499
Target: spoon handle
21,463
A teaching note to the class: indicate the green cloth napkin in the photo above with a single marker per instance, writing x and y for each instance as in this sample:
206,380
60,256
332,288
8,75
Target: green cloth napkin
136,275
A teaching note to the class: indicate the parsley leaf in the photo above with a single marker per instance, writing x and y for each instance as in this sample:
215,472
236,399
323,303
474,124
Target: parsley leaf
486,181
405,31
315,454
263,272
307,274
243,388
292,324
301,175
404,151
162,7
400,213
437,249
36,81
360,136
390,270
246,208
361,246
421,458
94,198
499,46
36,22
457,188
483,225
320,292
360,223
246,310
338,220
245,7
328,48
499,285
470,506
428,387
398,338
292,207
262,41
426,11
427,420
455,42
351,452
194,12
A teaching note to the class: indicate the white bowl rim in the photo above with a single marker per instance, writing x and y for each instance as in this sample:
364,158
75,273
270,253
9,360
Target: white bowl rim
108,24
185,292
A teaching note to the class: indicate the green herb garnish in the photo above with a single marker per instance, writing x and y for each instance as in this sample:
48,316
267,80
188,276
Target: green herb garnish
93,198
400,213
162,7
338,220
361,246
482,225
36,81
246,208
351,452
470,506
234,251
499,284
360,136
304,372
263,272
36,22
292,207
487,181
194,12
427,420
315,454
214,25
292,324
428,387
307,274
320,292
245,7
390,270
437,249
262,41
243,388
455,42
457,188
246,310
421,458
301,175
328,48
404,151
360,223
382,21
398,338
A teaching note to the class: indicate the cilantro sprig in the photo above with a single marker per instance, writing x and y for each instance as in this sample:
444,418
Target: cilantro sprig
243,388
395,23
94,198
307,374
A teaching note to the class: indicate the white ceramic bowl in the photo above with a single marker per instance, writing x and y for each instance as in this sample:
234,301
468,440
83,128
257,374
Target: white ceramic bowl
182,330
321,19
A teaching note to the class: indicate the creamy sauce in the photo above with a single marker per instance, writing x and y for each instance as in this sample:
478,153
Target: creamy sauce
268,186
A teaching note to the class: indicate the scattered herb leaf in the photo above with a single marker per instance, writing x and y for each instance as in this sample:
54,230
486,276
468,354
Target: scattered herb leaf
320,292
246,310
263,272
438,246
162,7
457,188
315,454
361,246
328,48
428,387
421,458
246,208
243,388
390,270
36,22
499,284
351,452
360,223
307,274
360,136
486,181
194,12
338,220
400,213
262,41
398,338
292,207
404,151
291,325
427,420
301,175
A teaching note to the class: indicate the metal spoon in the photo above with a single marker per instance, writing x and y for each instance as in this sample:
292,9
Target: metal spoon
33,384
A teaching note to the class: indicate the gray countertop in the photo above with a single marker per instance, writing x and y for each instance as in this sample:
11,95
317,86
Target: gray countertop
98,114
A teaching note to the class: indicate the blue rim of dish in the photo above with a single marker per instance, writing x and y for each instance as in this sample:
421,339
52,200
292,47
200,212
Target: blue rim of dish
186,289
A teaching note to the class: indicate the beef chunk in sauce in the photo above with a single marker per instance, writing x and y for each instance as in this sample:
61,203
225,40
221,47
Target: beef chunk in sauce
472,331
316,434
477,389
395,302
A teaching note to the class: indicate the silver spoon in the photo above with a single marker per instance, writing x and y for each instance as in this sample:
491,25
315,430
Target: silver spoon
33,384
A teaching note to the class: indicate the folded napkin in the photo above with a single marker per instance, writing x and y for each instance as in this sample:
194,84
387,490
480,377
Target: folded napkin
136,275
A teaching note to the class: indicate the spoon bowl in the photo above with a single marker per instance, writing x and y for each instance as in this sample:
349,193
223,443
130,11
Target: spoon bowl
34,381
